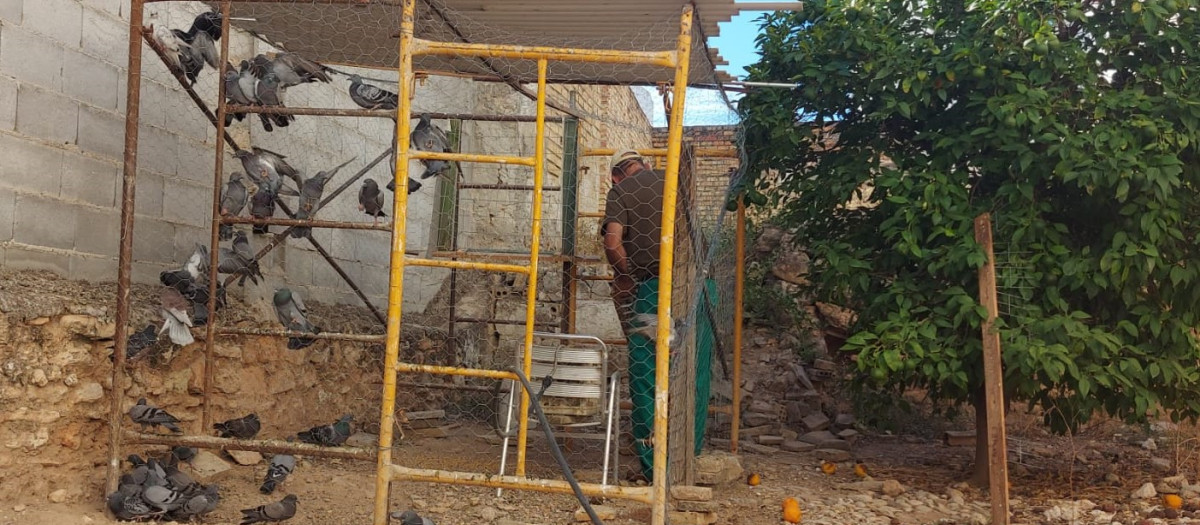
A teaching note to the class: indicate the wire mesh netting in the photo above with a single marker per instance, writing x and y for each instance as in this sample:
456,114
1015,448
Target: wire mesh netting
326,284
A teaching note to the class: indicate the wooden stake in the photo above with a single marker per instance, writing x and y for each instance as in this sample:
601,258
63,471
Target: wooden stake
993,377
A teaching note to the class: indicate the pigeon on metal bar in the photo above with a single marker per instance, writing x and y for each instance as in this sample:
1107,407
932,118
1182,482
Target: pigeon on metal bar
144,414
413,186
231,262
278,511
172,44
290,310
426,136
289,69
281,466
330,435
233,200
370,199
262,206
267,169
241,248
237,91
270,93
244,427
410,517
310,197
192,276
368,96
176,321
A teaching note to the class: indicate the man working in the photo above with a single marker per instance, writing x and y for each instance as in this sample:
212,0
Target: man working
632,231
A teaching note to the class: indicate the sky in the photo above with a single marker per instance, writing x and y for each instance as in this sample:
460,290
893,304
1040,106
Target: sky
736,45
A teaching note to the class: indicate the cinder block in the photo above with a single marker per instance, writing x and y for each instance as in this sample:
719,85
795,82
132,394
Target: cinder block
148,194
196,161
298,266
44,222
156,150
105,36
10,11
93,269
89,180
58,19
153,241
323,274
97,231
186,239
47,115
186,203
343,244
30,166
8,200
90,80
112,7
102,133
31,57
20,258
146,273
8,103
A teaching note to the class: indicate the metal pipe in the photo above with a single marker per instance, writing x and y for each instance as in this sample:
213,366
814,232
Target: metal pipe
380,113
454,371
513,256
256,445
611,56
738,297
448,386
314,223
125,250
658,510
387,409
539,172
468,265
337,268
570,222
396,472
472,157
332,336
210,358
500,321
524,187
728,152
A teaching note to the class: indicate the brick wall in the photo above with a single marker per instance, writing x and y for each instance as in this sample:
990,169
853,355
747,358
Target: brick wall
711,173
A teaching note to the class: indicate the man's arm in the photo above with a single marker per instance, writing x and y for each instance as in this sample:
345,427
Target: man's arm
614,248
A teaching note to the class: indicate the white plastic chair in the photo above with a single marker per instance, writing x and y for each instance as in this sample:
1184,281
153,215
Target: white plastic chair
580,373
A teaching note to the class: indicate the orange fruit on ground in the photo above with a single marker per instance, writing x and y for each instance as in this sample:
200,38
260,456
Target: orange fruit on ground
754,480
1172,501
828,467
791,510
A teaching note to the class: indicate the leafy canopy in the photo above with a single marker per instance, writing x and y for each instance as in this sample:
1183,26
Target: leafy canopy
1074,124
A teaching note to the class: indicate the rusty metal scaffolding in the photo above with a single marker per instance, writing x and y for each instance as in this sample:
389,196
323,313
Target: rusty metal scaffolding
678,60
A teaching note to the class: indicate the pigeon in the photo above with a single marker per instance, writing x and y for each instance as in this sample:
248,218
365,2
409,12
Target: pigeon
141,340
144,414
289,69
428,137
240,88
164,499
192,277
370,199
270,93
203,501
413,186
331,435
371,97
242,249
231,263
290,310
281,466
241,428
267,169
176,321
209,22
126,502
233,200
262,206
182,453
278,511
194,48
172,43
178,480
410,517
310,198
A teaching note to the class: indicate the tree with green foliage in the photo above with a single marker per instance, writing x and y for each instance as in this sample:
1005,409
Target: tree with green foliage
1075,123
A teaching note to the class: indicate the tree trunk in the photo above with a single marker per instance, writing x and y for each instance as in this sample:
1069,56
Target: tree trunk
979,477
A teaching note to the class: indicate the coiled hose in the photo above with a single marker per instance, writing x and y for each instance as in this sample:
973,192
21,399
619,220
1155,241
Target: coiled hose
536,403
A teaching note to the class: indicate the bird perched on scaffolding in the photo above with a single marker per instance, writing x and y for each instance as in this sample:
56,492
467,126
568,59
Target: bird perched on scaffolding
292,313
310,197
278,511
177,323
289,69
190,50
330,435
266,169
426,136
240,88
370,199
145,414
244,427
368,96
270,93
233,200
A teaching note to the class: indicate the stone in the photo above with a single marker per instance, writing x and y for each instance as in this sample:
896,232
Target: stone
691,493
58,496
815,421
1149,444
696,506
828,366
18,508
892,488
791,267
848,433
770,440
817,437
604,512
691,518
489,514
1161,464
38,377
760,405
832,454
796,410
362,440
245,457
754,419
754,431
1146,491
759,449
955,496
206,464
717,468
844,420
789,435
797,446
839,444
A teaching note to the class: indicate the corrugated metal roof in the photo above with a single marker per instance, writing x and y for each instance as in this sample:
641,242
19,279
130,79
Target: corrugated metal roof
366,34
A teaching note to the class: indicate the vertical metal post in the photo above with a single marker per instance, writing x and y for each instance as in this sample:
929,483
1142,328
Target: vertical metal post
570,219
448,234
993,376
739,276
539,172
662,362
396,278
133,95
210,360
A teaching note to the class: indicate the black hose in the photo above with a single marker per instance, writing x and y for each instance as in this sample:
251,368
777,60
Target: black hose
557,452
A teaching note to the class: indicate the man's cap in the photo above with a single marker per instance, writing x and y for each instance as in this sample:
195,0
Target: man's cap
622,155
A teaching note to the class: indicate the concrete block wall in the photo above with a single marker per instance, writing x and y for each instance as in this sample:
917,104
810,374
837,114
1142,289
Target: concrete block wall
711,173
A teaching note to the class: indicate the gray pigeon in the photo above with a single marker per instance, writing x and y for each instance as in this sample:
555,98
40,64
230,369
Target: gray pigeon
141,340
281,466
262,206
289,69
330,435
410,517
371,97
244,427
278,511
370,199
310,197
267,169
242,249
413,186
290,310
177,323
197,46
270,93
202,502
164,499
126,503
144,414
428,137
233,200
192,277
239,261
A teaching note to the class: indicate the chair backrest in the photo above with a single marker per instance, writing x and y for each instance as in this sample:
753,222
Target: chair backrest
579,371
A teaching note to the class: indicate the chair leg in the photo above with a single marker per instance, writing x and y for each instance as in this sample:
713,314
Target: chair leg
610,443
512,394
